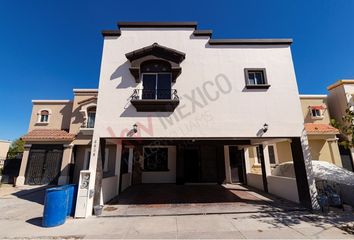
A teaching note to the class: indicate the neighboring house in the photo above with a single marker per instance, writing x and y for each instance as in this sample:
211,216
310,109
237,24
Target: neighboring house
323,141
4,148
340,97
176,106
59,135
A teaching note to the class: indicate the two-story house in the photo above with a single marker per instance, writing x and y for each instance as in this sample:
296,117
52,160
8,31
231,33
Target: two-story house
322,137
175,105
58,142
340,97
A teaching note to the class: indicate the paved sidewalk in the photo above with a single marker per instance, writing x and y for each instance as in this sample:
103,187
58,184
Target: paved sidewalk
21,218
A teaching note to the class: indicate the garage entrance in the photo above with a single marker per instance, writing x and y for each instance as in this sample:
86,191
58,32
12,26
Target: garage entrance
44,164
172,199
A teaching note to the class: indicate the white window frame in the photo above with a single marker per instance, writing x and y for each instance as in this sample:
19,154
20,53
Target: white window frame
316,117
88,155
39,116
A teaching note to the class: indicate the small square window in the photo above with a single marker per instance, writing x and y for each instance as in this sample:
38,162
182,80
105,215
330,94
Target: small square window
316,113
256,78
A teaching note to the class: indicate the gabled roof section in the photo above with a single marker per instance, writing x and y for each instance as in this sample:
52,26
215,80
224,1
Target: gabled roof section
158,51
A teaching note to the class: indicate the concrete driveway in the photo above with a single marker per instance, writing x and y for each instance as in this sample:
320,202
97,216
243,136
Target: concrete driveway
172,199
21,211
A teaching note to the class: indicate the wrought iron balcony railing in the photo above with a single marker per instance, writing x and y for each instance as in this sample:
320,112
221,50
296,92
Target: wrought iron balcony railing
155,100
155,94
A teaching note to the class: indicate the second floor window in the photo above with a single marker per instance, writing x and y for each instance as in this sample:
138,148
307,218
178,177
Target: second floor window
156,78
91,117
256,77
44,118
316,112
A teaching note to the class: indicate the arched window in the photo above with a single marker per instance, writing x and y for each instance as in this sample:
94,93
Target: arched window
91,117
44,116
156,77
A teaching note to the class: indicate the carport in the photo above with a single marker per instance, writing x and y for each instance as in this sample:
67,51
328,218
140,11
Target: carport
172,199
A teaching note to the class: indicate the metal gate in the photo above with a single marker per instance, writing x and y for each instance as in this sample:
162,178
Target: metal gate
43,166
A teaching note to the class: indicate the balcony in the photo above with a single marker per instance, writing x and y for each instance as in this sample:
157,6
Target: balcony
155,100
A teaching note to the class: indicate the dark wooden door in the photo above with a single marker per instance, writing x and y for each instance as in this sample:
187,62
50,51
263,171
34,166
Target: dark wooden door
237,165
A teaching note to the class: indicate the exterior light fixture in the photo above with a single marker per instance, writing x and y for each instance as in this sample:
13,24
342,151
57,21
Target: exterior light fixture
135,128
265,128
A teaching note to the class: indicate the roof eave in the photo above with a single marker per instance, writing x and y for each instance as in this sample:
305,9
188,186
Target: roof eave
157,25
279,41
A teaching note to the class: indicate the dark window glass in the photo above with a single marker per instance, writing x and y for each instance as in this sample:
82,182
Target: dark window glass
271,154
125,160
156,159
44,116
149,86
256,78
164,86
316,113
91,119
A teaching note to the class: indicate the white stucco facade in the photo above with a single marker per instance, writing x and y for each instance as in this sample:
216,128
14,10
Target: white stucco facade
213,77
214,104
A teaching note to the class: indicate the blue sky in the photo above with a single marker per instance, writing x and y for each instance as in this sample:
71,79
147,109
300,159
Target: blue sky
48,48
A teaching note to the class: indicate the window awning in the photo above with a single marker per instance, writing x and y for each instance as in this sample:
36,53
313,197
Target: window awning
317,107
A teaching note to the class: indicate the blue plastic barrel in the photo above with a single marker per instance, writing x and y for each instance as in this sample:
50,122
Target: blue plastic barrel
72,195
55,207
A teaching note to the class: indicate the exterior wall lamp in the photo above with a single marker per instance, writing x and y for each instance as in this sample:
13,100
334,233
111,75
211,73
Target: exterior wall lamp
265,128
135,128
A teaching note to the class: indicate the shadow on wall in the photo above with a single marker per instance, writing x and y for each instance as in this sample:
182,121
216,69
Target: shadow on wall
130,111
127,80
78,117
66,116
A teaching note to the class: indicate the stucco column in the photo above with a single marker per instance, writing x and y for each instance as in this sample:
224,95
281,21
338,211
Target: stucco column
268,170
65,165
227,165
20,180
334,150
118,163
92,169
305,179
247,160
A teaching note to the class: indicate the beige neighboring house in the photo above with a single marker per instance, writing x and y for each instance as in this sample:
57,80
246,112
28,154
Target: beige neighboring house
340,97
322,137
58,139
4,148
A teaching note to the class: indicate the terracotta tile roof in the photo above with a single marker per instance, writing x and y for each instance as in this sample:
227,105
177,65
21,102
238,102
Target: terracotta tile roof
318,128
48,135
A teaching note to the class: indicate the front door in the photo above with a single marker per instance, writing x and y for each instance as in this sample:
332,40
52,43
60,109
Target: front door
191,165
237,165
44,165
